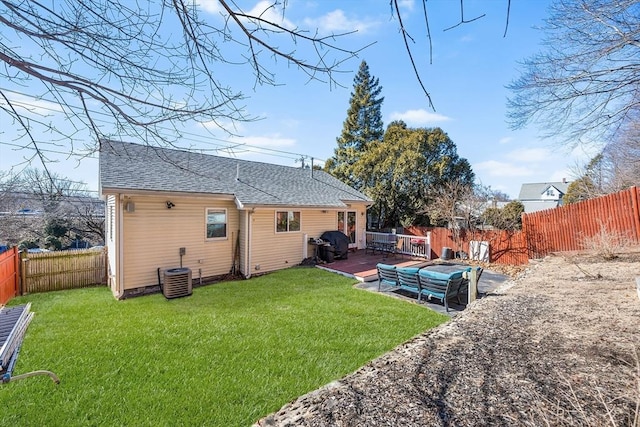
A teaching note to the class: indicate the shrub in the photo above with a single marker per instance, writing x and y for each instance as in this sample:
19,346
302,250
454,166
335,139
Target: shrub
606,243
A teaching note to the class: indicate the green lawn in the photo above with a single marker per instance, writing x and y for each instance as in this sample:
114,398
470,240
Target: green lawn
226,356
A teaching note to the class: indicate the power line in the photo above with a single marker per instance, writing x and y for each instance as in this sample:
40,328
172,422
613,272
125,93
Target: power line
44,150
195,138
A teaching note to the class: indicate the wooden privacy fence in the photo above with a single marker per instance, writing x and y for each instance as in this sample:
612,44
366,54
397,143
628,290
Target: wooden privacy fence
553,230
9,274
54,271
565,228
505,247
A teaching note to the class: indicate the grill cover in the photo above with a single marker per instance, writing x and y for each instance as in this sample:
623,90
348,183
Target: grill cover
339,242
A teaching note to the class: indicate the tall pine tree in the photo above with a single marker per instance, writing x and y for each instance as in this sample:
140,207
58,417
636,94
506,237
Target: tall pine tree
362,126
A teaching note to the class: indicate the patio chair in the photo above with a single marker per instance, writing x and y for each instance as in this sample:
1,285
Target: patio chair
398,248
442,286
372,245
408,280
387,275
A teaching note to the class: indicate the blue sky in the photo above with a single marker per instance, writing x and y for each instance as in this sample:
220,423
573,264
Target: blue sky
472,64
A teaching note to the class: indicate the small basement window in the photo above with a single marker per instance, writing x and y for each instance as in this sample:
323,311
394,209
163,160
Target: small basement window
287,221
216,220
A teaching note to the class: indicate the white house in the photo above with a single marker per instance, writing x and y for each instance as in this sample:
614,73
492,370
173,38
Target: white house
542,195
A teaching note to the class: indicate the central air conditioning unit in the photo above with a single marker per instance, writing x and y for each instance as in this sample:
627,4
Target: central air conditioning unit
177,283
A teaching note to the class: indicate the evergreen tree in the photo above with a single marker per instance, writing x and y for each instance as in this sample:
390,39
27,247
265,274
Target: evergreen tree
405,169
362,126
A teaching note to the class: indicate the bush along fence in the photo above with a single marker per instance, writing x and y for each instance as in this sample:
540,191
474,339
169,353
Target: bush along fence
613,219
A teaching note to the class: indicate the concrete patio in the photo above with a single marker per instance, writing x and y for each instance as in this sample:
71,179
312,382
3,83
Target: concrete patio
362,267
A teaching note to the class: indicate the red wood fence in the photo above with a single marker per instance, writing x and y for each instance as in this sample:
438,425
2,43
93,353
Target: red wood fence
566,227
506,247
9,274
553,230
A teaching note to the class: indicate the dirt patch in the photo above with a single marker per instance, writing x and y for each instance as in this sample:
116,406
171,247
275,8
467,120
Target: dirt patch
558,345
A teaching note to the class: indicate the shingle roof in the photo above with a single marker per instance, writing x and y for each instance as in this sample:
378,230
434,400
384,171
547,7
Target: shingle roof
534,191
125,166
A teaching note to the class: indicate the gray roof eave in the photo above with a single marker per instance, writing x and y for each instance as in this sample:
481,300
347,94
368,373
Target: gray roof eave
137,191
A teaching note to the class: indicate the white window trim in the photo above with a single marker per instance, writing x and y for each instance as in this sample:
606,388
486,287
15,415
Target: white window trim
226,217
275,222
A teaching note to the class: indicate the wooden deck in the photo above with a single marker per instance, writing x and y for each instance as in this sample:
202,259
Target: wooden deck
363,266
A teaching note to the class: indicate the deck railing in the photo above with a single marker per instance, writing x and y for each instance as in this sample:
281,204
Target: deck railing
417,246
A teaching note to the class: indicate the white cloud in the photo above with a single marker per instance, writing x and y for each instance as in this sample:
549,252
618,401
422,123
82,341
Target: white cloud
419,117
530,155
32,105
502,169
337,22
505,140
406,4
211,6
265,9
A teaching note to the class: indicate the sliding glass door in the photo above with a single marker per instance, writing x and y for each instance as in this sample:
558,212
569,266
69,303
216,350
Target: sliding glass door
347,224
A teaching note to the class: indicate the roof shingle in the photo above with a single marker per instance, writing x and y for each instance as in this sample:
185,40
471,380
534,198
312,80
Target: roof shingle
126,166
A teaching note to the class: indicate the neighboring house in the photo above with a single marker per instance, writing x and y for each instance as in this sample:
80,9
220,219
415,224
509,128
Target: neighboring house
542,195
227,214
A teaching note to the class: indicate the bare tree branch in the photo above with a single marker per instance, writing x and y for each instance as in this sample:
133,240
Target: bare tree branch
406,37
462,20
585,85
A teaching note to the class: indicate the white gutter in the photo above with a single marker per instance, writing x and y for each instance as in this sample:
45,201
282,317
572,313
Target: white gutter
249,237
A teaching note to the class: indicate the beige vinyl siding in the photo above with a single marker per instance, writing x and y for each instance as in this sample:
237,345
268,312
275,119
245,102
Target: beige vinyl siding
273,251
111,222
321,222
154,234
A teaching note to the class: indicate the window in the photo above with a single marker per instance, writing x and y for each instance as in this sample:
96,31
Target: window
287,221
216,223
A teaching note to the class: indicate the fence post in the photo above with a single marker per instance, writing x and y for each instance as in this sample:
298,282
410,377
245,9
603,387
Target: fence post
16,261
23,271
636,210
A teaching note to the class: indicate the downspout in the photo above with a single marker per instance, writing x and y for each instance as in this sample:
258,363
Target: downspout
249,237
120,246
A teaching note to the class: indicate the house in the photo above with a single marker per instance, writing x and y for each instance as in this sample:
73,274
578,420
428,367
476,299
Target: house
542,195
168,208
